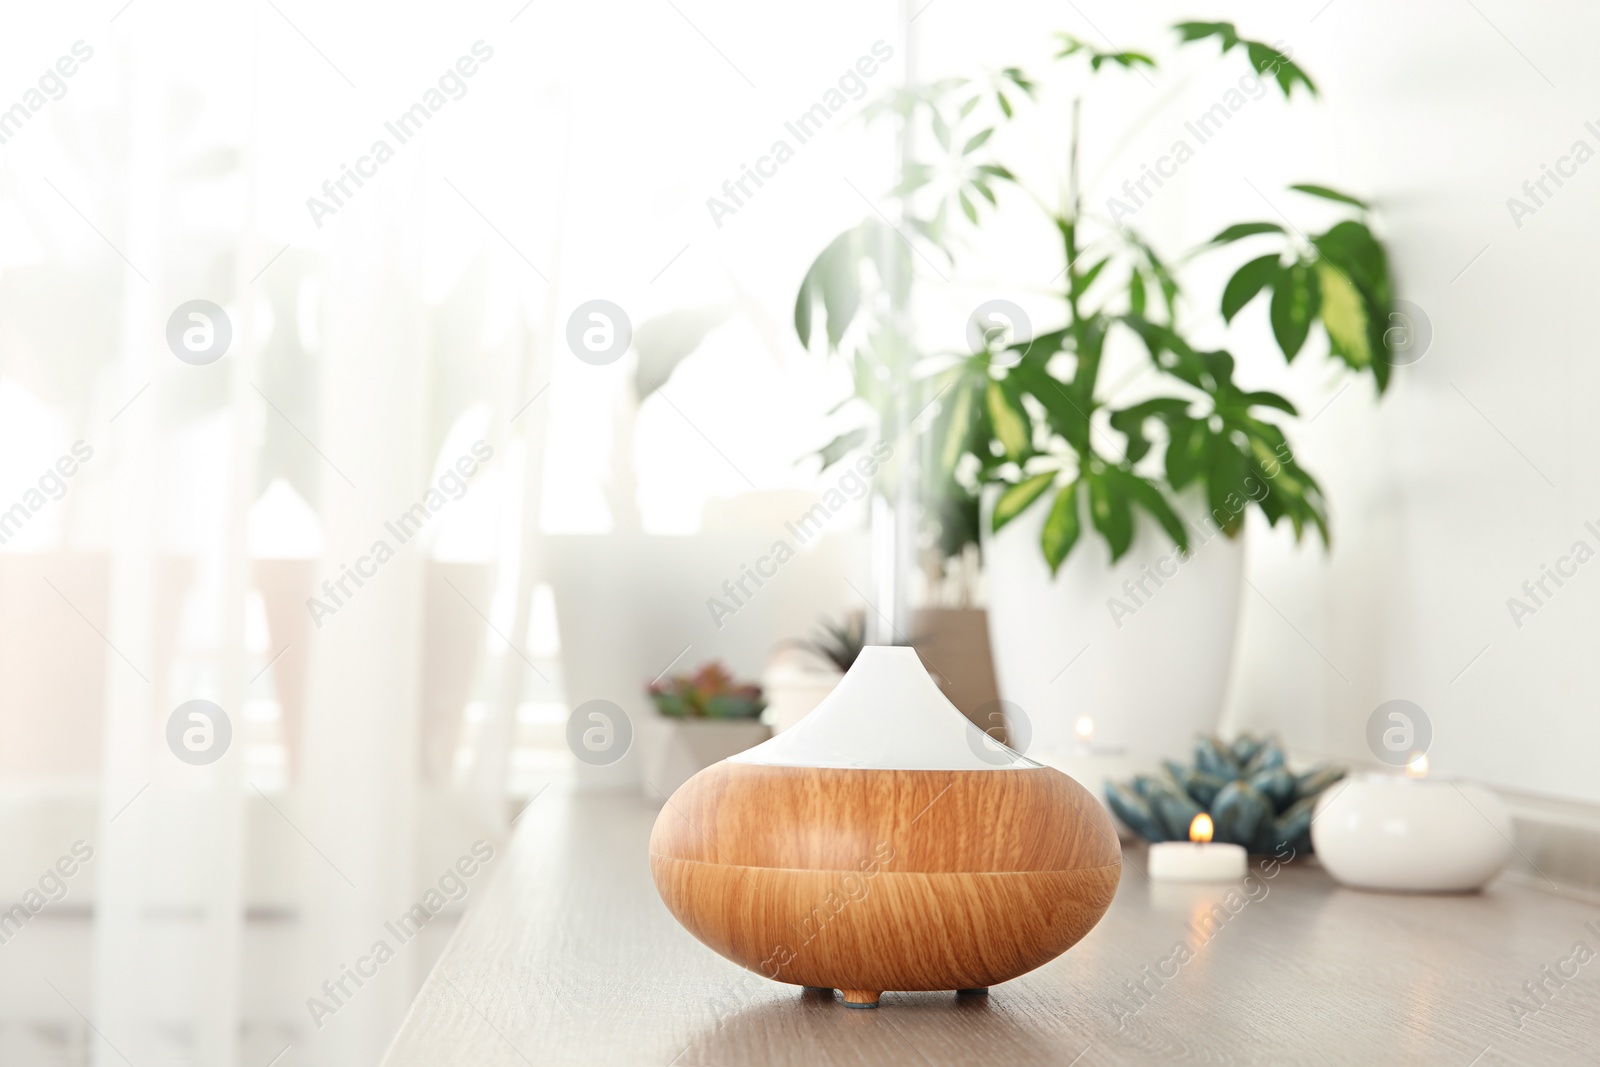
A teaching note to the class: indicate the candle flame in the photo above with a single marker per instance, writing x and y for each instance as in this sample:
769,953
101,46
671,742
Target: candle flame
1084,728
1418,767
1200,828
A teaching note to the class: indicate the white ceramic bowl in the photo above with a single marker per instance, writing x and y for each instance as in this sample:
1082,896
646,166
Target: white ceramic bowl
1383,831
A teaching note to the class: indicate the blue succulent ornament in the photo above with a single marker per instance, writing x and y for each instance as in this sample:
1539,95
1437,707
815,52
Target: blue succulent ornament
1245,785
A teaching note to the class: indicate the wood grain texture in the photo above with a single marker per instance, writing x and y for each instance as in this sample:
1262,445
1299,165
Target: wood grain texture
903,931
866,880
820,818
568,957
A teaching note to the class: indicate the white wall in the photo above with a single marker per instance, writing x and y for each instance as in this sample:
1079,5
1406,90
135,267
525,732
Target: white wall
1472,473
1474,470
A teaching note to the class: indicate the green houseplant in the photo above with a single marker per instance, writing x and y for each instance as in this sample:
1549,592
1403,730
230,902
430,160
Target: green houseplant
1015,426
1027,418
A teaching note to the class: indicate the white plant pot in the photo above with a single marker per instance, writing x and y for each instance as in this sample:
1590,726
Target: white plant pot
792,692
1144,646
675,750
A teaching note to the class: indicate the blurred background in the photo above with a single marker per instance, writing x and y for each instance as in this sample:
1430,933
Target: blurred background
188,527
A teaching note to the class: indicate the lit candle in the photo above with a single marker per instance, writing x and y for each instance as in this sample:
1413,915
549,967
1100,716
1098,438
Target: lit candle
1198,859
1084,728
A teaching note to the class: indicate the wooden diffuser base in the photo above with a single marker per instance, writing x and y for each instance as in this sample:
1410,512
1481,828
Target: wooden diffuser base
868,880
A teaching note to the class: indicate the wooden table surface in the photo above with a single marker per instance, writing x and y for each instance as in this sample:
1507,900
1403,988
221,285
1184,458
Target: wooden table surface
569,957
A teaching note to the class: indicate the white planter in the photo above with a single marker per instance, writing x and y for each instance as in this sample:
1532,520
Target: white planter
675,750
793,691
1149,665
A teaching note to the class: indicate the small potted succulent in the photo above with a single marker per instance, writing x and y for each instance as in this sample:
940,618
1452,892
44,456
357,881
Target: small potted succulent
702,718
1245,786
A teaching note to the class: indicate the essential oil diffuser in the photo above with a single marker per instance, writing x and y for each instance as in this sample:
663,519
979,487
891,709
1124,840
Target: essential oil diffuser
885,843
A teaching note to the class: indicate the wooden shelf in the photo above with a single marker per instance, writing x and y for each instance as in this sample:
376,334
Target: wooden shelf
569,957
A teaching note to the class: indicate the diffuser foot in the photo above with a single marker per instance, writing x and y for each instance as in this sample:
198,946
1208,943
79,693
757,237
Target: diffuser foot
860,998
980,991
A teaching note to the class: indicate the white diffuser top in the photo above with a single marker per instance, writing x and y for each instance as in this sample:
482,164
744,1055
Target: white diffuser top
887,714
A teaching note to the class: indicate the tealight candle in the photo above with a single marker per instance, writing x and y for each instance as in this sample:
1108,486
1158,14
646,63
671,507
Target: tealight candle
1198,859
1083,729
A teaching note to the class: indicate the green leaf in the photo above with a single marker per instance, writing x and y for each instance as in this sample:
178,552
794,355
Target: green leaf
1186,451
1061,527
958,428
1063,413
1016,77
1264,59
835,277
1071,45
1291,492
1351,247
1219,366
913,177
1158,270
996,170
1382,366
1150,498
1130,422
966,109
1111,513
1081,282
1296,298
1273,400
1015,500
802,312
1136,295
1330,194
1167,350
1270,465
1244,229
1010,423
1268,61
1126,60
842,446
977,140
1199,31
1246,282
966,206
1005,105
1225,489
1344,316
934,228
841,292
